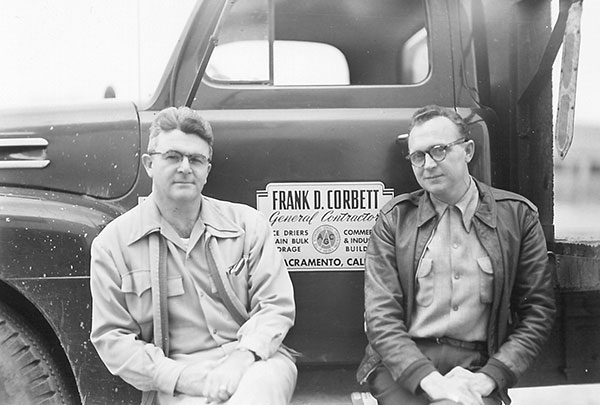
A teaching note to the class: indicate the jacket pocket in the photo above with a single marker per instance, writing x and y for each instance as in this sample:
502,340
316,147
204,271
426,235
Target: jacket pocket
486,280
136,282
425,281
137,287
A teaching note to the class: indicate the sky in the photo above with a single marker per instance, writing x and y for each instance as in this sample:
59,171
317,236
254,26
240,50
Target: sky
71,50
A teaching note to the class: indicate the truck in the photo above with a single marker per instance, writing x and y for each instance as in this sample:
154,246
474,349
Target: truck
310,103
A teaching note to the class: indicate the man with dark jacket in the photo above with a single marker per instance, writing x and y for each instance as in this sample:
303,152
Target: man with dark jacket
458,294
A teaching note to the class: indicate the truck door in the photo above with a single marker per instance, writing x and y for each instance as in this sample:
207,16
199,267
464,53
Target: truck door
308,102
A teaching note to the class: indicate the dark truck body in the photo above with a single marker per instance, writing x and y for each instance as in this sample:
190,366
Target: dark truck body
276,147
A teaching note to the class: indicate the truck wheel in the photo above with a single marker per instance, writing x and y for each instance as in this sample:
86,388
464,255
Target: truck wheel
28,372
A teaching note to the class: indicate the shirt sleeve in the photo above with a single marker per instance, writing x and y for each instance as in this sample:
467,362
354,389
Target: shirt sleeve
271,294
116,335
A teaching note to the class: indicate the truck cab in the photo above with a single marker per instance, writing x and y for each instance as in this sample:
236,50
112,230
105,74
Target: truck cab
310,103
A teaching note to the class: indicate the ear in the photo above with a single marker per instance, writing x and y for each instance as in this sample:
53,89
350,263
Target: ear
208,169
147,162
469,150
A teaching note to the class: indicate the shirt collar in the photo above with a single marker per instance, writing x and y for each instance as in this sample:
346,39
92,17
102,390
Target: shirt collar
150,220
467,205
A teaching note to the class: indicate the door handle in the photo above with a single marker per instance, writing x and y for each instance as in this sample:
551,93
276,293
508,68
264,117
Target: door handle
23,153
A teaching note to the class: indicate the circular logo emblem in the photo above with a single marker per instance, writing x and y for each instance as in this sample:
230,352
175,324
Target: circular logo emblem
326,239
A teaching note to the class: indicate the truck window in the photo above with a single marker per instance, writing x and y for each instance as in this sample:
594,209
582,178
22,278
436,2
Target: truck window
294,63
277,47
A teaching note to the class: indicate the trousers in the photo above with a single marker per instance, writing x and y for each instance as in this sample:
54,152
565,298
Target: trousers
445,358
266,382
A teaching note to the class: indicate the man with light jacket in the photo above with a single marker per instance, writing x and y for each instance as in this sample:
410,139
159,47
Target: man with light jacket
458,293
228,297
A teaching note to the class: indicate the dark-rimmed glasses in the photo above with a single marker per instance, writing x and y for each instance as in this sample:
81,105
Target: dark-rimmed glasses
437,153
176,157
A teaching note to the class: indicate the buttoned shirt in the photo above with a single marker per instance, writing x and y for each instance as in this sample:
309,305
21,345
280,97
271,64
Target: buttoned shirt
201,329
454,278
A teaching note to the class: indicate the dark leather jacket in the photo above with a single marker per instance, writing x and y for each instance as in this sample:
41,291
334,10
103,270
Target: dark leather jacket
523,308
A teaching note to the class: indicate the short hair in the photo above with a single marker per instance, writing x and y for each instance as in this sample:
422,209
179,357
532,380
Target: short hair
184,119
430,112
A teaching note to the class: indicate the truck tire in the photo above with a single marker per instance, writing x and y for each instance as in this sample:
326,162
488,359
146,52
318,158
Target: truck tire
28,372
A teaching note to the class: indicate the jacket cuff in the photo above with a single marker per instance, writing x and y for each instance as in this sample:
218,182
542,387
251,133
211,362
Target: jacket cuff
256,344
501,374
166,375
412,376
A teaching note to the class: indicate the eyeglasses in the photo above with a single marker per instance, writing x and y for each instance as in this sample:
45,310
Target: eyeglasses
176,157
437,153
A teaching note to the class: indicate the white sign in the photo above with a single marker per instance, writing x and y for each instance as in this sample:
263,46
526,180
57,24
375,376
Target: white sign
323,226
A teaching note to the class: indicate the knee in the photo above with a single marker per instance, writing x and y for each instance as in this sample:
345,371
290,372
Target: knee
269,382
274,369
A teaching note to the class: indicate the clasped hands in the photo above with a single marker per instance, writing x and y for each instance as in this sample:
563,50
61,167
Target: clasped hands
459,385
218,384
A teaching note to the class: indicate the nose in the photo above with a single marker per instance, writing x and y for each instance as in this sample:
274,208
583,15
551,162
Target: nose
184,165
429,162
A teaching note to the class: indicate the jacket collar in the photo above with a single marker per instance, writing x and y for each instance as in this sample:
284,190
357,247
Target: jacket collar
148,220
485,212
426,209
487,209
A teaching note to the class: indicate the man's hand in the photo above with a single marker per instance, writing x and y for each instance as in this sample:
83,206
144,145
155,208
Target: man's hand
477,382
456,389
222,381
191,380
